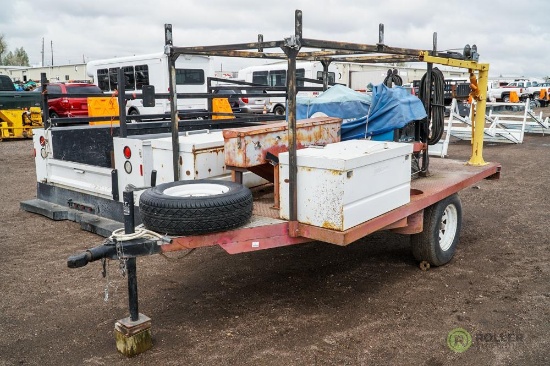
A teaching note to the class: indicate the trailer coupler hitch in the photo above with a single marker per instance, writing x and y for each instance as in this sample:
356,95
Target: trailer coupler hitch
116,250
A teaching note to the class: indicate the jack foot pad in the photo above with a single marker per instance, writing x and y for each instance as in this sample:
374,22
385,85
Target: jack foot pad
133,337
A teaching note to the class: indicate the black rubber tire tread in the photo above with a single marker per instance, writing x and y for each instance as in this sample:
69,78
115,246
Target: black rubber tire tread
279,111
425,245
173,215
135,112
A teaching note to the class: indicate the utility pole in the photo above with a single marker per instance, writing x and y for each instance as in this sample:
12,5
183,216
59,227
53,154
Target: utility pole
42,52
51,45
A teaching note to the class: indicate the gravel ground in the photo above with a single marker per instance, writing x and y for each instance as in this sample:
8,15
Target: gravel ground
310,304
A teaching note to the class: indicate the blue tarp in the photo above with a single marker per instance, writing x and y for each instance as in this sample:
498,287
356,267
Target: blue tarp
392,108
364,116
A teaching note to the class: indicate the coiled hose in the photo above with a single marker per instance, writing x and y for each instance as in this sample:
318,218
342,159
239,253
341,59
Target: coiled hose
436,107
393,78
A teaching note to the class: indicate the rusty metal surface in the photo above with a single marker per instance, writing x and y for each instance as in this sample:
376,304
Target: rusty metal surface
450,176
260,233
414,224
264,202
247,146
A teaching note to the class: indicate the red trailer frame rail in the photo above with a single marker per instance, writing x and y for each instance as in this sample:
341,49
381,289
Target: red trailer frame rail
266,231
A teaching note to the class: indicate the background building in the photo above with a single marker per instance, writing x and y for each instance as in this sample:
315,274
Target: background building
57,73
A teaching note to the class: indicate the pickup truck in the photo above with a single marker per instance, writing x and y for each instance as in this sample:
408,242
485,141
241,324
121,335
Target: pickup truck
535,88
10,98
503,93
524,89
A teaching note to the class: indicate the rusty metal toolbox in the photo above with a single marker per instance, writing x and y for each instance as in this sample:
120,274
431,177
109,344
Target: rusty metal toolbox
247,147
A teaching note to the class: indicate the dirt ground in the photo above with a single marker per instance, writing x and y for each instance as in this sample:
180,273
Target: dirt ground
310,304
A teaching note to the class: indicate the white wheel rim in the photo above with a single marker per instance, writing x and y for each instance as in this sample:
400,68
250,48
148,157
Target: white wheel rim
196,190
447,227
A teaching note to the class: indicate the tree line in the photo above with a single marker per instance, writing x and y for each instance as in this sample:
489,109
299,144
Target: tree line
18,57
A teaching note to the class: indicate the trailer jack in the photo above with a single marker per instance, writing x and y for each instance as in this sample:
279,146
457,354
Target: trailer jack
133,333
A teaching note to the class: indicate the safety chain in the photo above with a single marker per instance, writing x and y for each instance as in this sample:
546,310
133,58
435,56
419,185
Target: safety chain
121,259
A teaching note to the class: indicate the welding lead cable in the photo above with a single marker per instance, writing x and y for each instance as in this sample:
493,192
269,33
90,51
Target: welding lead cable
437,107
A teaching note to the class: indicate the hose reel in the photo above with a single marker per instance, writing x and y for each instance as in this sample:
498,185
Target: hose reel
435,107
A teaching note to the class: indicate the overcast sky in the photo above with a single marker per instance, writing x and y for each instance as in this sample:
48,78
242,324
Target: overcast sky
512,36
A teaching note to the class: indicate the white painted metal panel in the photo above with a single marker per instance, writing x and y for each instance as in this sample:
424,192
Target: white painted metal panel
141,161
42,153
201,157
80,177
347,183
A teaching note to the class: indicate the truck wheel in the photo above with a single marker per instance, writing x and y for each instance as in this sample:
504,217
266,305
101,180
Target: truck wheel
54,115
442,223
195,207
135,112
279,110
506,98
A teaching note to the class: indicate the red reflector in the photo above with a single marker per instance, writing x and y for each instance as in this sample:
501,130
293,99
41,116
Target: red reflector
245,100
34,153
42,141
141,170
127,152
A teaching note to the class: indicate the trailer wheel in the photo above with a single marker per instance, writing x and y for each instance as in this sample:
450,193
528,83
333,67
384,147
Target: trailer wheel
442,223
279,110
195,207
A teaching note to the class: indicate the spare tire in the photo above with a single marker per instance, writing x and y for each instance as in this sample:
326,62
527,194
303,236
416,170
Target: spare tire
195,207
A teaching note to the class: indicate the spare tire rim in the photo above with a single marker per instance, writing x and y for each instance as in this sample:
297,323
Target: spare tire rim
447,227
196,190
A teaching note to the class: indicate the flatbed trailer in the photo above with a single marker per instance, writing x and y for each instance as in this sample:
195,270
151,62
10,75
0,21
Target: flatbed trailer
432,216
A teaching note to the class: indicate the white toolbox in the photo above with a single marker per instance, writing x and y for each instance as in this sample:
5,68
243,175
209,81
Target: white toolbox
201,156
347,183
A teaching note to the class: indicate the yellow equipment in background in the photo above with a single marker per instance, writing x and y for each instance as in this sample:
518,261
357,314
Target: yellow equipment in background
18,123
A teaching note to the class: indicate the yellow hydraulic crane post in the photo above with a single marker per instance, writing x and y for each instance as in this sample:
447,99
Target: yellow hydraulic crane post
478,93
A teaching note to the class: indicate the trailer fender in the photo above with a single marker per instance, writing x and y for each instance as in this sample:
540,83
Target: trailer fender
436,244
195,207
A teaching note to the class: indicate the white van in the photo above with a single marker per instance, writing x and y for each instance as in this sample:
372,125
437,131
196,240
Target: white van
275,75
152,69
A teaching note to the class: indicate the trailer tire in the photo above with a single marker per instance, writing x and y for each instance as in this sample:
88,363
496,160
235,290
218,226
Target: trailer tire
436,244
195,207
